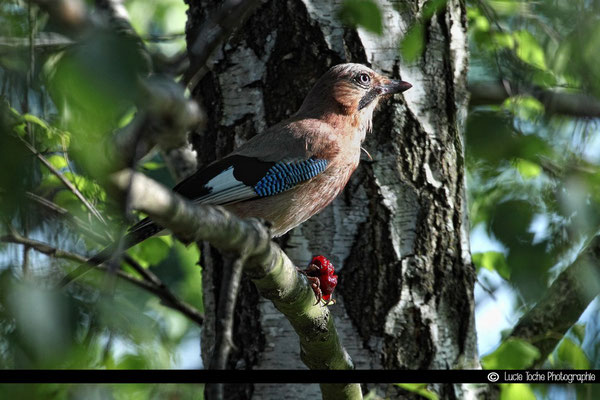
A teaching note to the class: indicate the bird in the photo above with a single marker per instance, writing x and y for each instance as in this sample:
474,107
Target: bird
294,169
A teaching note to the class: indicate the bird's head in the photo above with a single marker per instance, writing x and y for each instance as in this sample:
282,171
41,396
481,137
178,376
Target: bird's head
350,90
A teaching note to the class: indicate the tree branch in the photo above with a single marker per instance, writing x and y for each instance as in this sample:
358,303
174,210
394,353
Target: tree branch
564,302
266,264
152,284
577,105
44,41
164,115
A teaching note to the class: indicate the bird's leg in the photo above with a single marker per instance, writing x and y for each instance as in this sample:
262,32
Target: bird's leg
316,287
312,274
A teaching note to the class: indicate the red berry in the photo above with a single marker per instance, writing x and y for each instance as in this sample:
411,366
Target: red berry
328,284
325,272
324,265
328,271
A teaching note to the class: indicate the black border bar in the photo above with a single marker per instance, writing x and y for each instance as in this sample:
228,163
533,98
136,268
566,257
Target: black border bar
298,376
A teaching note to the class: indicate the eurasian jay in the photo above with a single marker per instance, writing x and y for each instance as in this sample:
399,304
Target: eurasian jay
293,170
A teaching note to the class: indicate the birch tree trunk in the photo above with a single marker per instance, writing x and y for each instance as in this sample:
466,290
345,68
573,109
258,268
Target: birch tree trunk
398,234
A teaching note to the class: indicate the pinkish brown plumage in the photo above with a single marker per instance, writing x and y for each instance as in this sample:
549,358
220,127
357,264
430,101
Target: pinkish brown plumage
296,168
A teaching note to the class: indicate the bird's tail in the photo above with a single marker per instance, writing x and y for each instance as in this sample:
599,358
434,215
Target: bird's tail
138,233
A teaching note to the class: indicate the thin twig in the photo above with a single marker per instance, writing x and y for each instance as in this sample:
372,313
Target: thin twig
579,105
230,284
44,41
64,180
75,221
164,37
160,289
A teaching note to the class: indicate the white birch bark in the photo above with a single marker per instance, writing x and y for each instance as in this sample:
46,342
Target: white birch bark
398,234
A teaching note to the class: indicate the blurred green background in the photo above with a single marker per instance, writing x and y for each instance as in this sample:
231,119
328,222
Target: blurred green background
533,180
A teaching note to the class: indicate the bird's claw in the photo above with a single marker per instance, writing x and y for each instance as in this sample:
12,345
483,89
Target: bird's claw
320,274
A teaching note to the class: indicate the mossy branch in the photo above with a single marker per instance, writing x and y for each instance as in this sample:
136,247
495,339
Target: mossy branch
273,273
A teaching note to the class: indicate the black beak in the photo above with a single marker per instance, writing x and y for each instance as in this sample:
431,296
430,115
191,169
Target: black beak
393,87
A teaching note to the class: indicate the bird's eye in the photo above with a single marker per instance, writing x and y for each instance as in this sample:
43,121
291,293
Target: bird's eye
363,79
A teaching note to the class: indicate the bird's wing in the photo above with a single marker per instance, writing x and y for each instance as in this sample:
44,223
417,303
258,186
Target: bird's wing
239,177
233,179
280,158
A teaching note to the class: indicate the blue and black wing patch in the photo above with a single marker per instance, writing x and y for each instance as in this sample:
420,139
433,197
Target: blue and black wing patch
234,179
238,178
284,176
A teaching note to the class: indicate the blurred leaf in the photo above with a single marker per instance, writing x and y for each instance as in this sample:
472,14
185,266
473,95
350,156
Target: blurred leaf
17,164
570,353
526,168
58,162
35,120
477,20
489,136
503,39
579,331
94,85
511,354
133,361
431,7
511,221
420,389
529,50
524,107
44,320
514,391
67,199
509,7
152,165
364,13
413,43
493,261
191,285
151,251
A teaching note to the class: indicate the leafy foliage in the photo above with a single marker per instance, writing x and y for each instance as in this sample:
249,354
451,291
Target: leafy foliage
65,103
533,175
533,183
363,13
512,354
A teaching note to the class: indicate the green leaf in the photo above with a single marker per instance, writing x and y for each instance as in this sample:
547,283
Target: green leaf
512,354
191,286
66,199
526,168
529,50
420,389
151,251
364,13
58,162
504,39
524,107
152,165
570,353
521,391
37,121
413,43
493,261
509,7
579,331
